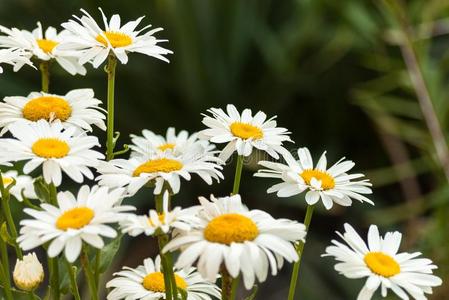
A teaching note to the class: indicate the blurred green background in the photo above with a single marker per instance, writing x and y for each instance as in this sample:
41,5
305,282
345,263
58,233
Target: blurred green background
330,70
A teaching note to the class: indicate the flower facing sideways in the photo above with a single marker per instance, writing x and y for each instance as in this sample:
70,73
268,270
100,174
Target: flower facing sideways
28,273
23,185
77,108
382,265
42,45
74,221
246,241
147,282
53,147
157,223
94,44
330,185
243,132
178,144
159,168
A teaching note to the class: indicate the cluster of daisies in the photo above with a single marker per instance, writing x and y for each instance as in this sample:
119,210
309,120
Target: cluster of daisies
219,240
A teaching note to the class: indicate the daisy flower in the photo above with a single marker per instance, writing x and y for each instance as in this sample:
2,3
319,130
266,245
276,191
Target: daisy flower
328,184
161,167
94,43
247,241
242,132
15,57
179,143
42,45
73,221
53,147
147,282
24,184
155,223
382,265
77,108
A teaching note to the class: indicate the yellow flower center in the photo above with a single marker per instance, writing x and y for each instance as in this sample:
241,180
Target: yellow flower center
165,165
166,146
161,219
327,181
46,107
246,131
50,148
7,181
75,218
231,228
46,45
155,282
382,264
117,39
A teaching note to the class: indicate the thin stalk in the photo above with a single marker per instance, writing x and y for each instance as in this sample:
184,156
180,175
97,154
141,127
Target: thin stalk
5,270
226,284
300,250
44,66
6,283
110,70
7,213
238,174
234,286
171,289
89,275
72,277
162,241
420,86
54,278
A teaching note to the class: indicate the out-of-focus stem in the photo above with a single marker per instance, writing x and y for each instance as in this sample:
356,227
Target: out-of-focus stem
420,86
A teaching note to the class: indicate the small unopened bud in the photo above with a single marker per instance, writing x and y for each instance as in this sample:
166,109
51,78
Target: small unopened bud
28,273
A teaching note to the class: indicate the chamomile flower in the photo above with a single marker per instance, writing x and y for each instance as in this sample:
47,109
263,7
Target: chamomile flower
147,282
328,184
178,144
246,241
53,147
150,224
24,184
42,45
74,221
77,108
242,132
94,43
162,167
382,265
15,57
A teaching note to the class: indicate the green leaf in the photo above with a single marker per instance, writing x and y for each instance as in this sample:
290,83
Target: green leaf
41,189
108,253
4,234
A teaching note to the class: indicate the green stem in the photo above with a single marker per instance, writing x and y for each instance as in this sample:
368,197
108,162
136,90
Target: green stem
110,69
73,284
171,289
238,174
162,241
89,275
54,278
44,66
235,284
300,250
5,270
226,284
7,213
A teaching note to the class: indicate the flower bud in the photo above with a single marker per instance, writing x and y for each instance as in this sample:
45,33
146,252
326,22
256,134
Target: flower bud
28,272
